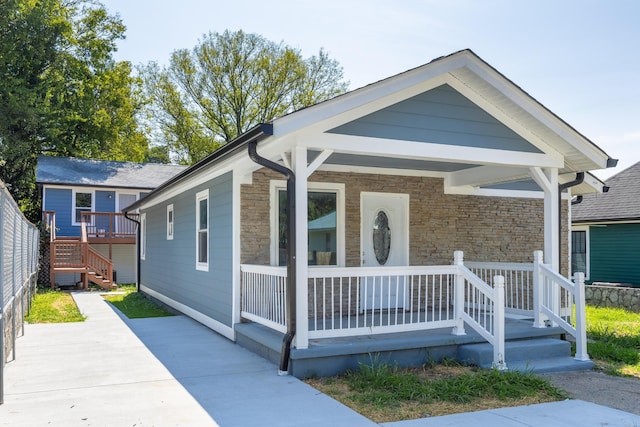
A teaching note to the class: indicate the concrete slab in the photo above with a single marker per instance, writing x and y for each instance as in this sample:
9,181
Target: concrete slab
554,414
172,371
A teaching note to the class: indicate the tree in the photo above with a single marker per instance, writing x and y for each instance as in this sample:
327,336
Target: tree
61,92
227,84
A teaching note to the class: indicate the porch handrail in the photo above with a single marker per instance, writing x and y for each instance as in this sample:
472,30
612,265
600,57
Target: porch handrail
482,307
49,223
518,283
555,297
99,264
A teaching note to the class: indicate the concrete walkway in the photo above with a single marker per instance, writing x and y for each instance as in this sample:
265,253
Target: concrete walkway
172,371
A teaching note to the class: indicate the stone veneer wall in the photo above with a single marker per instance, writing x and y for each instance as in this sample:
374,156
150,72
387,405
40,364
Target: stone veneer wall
485,228
613,296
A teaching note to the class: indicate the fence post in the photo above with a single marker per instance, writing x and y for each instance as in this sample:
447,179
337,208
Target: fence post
499,362
538,321
581,318
458,300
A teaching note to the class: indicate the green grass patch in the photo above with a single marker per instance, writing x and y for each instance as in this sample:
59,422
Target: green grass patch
386,393
135,305
614,339
49,306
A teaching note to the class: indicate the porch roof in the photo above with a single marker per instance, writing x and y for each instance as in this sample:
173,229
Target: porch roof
456,118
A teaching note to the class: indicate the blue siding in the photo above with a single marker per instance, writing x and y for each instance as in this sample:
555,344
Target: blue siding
440,116
170,265
614,253
60,201
105,201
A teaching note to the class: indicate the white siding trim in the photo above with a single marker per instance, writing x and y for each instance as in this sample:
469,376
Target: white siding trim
221,328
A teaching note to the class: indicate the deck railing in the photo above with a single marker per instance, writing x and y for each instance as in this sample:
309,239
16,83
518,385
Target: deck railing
348,301
518,283
557,298
111,225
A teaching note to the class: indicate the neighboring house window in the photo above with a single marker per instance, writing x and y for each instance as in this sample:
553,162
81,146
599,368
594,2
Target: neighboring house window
580,251
202,230
170,222
82,202
143,236
325,231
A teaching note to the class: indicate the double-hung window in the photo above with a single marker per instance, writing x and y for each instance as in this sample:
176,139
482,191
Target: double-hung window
82,202
143,236
580,250
170,222
202,230
325,223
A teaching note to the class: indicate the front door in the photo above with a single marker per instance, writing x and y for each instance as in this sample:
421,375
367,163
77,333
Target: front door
384,242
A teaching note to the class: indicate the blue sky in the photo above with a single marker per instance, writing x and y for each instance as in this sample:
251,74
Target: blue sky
580,58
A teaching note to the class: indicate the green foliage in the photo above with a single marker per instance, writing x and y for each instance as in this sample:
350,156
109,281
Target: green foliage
229,83
61,93
50,306
135,305
614,339
382,384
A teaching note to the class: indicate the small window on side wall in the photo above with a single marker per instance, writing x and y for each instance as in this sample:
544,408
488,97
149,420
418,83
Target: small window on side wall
170,222
202,230
143,236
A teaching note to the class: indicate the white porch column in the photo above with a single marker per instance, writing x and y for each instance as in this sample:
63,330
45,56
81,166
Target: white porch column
299,160
547,179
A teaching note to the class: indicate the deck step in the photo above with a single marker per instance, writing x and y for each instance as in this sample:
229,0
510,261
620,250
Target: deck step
537,355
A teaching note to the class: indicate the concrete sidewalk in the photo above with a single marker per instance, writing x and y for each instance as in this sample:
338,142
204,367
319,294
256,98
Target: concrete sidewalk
172,371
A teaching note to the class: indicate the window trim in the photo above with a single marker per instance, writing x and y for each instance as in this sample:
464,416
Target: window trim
75,191
143,236
328,187
202,195
587,255
171,219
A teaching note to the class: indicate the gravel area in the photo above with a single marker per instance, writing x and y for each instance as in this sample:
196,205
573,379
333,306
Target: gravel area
596,387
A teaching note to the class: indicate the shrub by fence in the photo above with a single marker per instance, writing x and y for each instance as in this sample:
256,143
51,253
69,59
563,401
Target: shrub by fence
19,240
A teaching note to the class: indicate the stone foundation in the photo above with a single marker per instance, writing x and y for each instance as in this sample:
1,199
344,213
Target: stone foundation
613,296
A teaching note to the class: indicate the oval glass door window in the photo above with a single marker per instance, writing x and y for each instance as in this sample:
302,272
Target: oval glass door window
381,237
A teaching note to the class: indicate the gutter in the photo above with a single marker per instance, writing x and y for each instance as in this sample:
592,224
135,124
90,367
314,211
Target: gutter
291,252
126,215
561,187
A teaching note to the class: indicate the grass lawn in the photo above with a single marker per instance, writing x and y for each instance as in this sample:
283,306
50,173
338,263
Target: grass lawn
49,306
384,393
135,305
614,340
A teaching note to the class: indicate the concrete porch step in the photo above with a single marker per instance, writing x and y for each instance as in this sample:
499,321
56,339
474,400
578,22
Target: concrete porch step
537,355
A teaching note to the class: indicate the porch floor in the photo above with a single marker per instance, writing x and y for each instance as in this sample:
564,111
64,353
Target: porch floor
332,356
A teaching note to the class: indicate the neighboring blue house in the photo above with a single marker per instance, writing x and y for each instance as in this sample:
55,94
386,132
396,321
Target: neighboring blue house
605,237
387,183
74,190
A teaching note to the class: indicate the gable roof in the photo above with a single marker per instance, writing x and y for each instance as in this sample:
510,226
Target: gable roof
103,173
446,118
621,202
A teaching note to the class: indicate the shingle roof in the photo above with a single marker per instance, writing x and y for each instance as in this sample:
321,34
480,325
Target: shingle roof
621,202
103,173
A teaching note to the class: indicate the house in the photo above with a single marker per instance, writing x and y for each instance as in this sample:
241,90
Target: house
407,212
605,231
90,194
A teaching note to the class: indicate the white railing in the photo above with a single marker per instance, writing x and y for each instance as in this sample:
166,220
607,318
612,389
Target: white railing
518,283
351,301
555,296
264,295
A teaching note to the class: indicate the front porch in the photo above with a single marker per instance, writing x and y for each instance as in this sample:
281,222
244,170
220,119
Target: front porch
411,315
